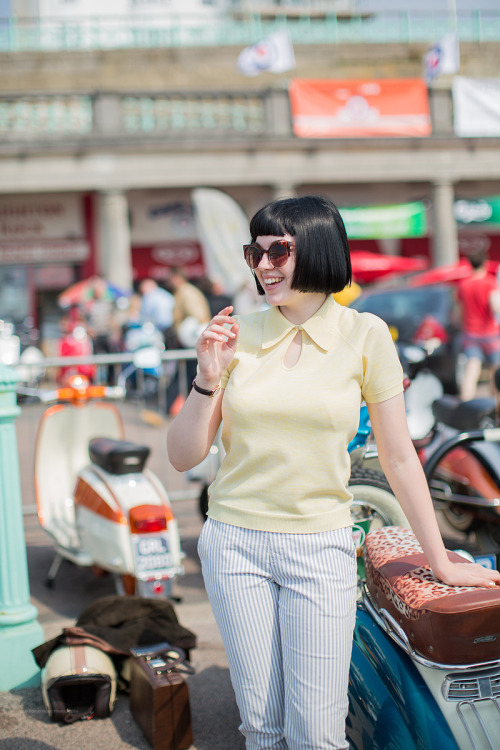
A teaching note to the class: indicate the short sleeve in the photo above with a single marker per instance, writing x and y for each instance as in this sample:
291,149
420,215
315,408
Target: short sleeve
382,371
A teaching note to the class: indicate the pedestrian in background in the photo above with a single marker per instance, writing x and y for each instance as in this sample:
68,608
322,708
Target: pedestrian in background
277,552
190,313
189,301
479,298
157,305
102,324
214,293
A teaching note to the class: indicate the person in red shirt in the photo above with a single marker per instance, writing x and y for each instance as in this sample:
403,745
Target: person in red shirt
479,296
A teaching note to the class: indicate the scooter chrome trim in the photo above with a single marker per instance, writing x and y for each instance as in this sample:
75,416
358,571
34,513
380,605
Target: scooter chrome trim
480,722
389,625
442,497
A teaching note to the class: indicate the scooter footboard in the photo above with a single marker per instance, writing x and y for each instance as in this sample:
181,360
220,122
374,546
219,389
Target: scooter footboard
445,624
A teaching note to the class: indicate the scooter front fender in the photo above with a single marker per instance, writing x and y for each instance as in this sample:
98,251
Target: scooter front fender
390,706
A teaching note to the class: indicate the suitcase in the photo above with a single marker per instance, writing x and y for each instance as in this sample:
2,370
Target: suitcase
445,624
159,699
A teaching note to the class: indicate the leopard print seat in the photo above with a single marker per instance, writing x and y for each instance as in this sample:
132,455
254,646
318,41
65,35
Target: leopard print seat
450,624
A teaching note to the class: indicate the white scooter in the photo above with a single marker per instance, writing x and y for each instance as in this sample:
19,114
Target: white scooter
96,499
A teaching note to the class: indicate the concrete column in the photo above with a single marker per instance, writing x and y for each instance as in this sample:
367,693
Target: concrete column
445,237
114,258
20,630
283,190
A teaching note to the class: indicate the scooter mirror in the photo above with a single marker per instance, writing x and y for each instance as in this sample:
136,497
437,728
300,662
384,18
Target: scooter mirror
147,358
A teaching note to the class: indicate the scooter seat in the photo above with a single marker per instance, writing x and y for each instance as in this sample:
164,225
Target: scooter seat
445,624
463,415
118,456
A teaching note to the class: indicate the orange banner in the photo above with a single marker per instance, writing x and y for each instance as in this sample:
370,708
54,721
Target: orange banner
359,108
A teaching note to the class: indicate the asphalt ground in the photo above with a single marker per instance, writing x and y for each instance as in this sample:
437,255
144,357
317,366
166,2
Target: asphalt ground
24,721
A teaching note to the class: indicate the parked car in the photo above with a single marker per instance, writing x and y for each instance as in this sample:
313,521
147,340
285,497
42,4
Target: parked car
424,315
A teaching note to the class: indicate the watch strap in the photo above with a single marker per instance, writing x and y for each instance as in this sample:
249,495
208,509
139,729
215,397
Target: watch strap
204,391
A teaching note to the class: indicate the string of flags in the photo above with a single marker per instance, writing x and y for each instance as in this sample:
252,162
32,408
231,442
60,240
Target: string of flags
274,54
443,57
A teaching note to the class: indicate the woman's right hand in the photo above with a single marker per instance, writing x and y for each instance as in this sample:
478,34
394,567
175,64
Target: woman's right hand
215,348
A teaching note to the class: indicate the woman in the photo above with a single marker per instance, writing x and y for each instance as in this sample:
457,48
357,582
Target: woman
276,550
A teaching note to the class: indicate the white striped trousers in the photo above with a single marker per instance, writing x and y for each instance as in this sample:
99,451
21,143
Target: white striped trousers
285,606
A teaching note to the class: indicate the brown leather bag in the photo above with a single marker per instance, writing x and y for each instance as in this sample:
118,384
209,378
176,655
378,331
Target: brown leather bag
159,698
445,624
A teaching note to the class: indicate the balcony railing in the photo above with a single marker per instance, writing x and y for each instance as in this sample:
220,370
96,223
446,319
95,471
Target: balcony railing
307,24
29,121
178,115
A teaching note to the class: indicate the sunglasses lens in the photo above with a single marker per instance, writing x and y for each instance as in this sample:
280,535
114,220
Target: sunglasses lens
278,254
253,256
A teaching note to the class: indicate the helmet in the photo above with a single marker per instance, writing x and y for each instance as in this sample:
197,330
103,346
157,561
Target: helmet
78,682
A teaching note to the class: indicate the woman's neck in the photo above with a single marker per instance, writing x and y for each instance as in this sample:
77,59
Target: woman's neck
303,307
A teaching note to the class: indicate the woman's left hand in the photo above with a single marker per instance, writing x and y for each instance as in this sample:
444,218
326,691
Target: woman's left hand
469,574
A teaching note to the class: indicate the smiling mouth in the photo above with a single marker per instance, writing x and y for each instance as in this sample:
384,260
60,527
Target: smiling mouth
272,281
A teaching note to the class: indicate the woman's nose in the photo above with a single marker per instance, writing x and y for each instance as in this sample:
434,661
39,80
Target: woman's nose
265,262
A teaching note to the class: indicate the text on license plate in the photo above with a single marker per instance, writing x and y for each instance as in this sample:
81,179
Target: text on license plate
152,553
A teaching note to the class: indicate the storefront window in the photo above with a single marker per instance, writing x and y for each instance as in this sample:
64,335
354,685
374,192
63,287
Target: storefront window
14,298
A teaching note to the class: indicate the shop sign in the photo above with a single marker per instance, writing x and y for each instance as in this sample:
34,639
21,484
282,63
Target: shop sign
41,217
481,211
42,252
378,222
156,217
153,261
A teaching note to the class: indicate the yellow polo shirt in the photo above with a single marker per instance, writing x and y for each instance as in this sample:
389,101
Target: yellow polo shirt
286,430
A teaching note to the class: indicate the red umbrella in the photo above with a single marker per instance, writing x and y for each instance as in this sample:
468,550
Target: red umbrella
368,266
450,274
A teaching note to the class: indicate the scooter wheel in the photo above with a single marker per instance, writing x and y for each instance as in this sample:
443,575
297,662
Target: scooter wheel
373,498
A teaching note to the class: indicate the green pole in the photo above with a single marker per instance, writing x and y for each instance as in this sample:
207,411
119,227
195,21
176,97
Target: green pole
20,630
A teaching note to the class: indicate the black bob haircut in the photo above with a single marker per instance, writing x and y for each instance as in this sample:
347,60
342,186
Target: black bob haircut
322,256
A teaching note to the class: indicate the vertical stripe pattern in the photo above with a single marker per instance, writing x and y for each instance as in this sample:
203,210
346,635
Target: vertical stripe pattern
285,606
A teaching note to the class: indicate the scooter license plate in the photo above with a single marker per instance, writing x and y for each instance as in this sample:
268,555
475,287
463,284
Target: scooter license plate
152,553
489,561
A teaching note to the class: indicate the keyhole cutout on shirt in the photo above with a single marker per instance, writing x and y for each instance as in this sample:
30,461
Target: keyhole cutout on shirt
292,354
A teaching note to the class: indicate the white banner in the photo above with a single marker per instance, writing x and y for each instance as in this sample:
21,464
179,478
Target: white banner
223,230
476,106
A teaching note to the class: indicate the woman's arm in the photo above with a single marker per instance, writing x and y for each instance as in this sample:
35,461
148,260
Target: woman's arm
407,479
193,430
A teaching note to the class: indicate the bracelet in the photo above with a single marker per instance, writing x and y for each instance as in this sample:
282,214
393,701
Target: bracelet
204,391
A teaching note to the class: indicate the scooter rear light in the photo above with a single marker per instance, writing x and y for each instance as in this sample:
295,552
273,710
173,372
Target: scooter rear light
430,332
147,519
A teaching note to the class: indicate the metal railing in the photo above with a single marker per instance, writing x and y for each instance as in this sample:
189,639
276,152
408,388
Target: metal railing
45,369
307,24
